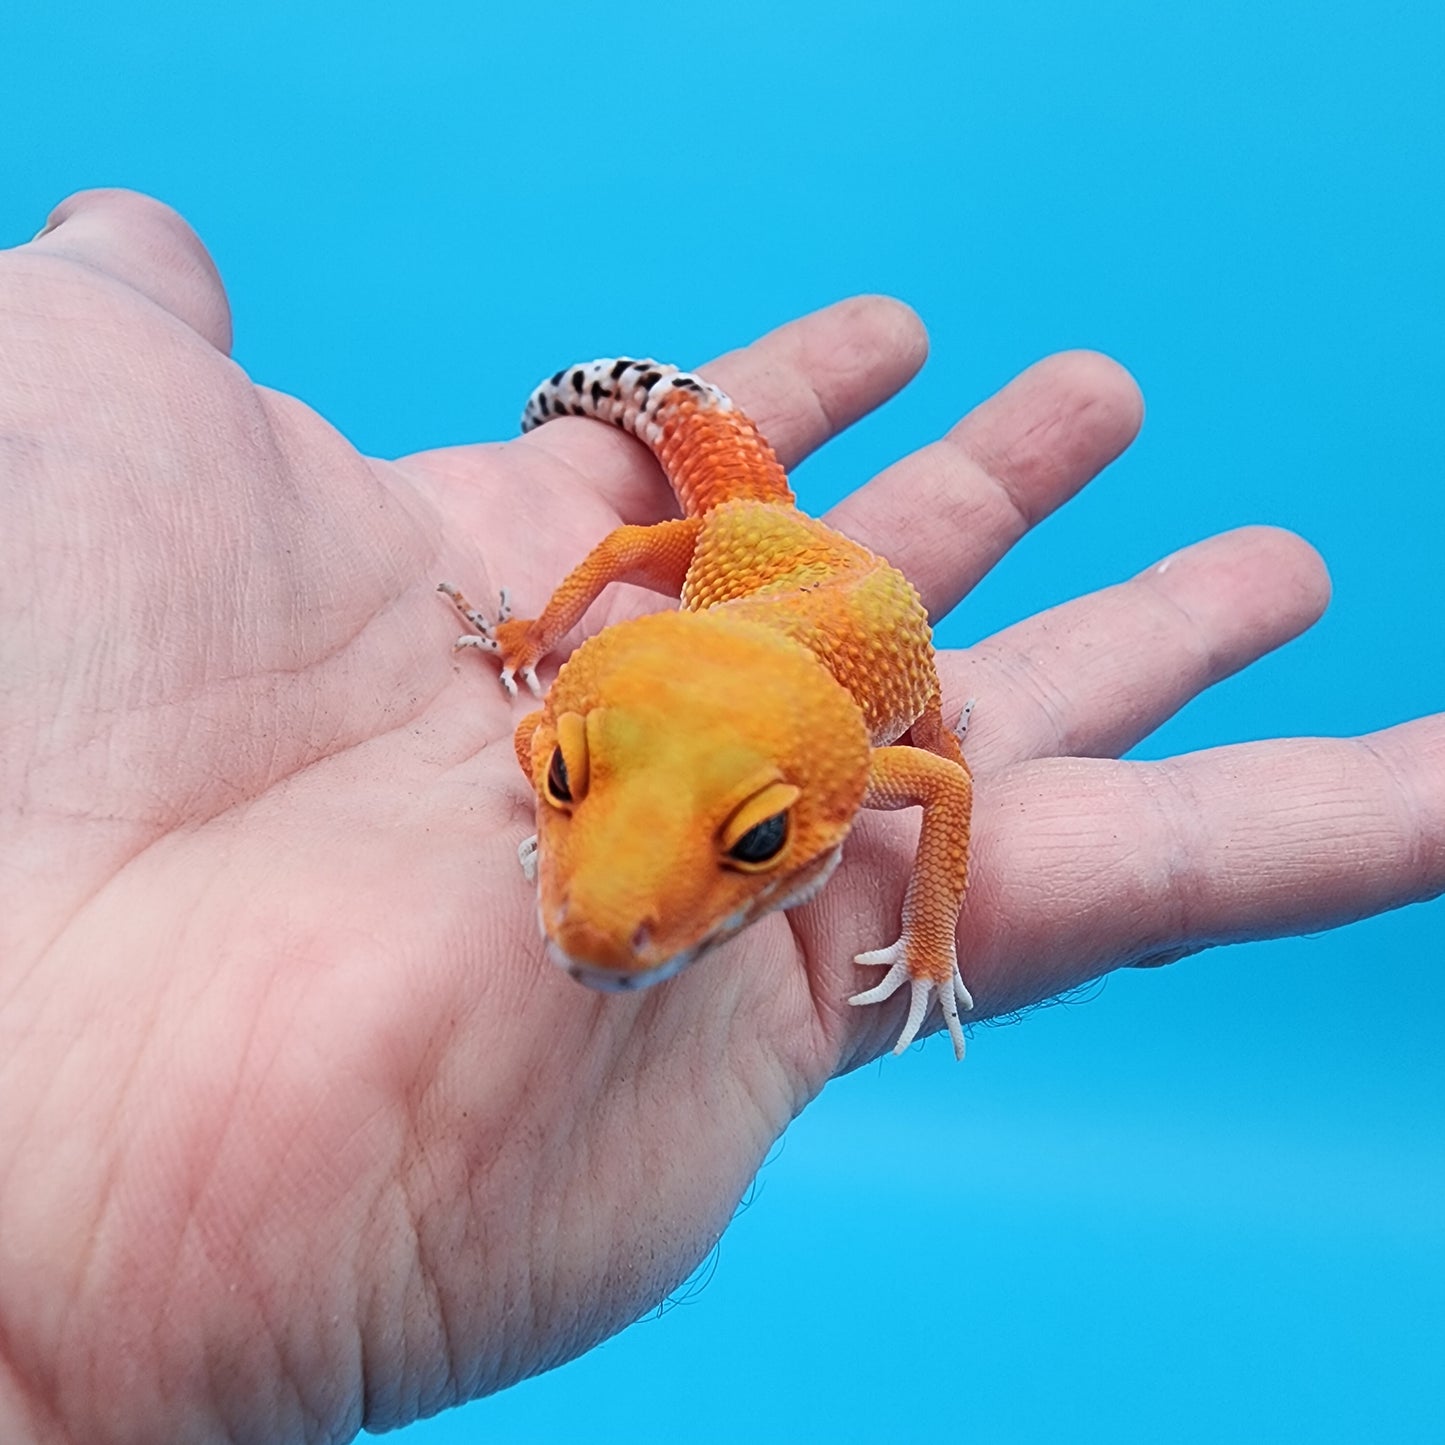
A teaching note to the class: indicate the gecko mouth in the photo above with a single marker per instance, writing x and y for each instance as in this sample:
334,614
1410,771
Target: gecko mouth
619,980
631,980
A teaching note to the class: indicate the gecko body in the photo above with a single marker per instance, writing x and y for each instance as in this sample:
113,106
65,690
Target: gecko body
696,769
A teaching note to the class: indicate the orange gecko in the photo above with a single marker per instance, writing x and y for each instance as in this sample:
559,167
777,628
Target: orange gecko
697,769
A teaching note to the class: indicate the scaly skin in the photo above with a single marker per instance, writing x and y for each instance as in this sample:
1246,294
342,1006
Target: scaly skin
696,770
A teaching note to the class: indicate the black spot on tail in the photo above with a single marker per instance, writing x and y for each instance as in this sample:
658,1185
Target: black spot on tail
578,378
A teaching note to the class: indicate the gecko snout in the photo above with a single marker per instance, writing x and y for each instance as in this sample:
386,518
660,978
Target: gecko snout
622,944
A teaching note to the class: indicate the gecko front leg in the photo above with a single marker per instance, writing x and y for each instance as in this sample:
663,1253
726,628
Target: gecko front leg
925,955
656,556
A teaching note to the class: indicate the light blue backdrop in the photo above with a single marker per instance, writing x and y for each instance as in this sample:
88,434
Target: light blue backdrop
1209,1203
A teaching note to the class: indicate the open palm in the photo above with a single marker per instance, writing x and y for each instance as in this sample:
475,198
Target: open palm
299,1130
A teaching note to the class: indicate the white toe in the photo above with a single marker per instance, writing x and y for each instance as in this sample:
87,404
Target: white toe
485,643
892,981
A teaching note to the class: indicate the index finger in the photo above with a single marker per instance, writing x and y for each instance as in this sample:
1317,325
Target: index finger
802,384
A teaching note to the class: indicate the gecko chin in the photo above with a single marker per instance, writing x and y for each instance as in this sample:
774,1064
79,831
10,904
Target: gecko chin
619,980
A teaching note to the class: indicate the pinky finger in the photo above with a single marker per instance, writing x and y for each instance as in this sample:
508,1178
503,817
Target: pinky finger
1084,865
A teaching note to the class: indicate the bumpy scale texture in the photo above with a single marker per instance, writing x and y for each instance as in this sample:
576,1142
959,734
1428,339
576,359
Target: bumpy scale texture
695,770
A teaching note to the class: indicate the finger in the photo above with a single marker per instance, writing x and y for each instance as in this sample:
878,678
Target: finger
1093,677
1143,863
147,247
1001,470
812,378
801,384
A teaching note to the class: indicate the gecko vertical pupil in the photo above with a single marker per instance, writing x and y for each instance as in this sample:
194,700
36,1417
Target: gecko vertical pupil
558,784
762,841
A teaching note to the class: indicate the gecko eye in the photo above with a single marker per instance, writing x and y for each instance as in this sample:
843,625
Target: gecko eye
559,788
757,832
761,842
565,782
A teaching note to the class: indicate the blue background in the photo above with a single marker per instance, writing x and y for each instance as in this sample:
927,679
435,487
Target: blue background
1209,1202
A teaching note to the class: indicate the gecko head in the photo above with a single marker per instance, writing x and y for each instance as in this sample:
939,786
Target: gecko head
693,772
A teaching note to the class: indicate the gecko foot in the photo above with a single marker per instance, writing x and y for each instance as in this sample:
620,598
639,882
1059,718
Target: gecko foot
952,996
477,619
486,639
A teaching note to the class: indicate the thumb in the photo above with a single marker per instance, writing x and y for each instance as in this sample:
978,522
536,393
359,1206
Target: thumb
147,247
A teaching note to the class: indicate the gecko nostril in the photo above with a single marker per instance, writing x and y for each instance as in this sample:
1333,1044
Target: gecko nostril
641,936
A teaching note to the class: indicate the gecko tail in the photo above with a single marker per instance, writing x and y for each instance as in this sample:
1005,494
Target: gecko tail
626,392
709,449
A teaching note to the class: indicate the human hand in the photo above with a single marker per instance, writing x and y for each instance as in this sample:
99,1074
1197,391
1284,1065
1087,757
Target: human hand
298,1129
